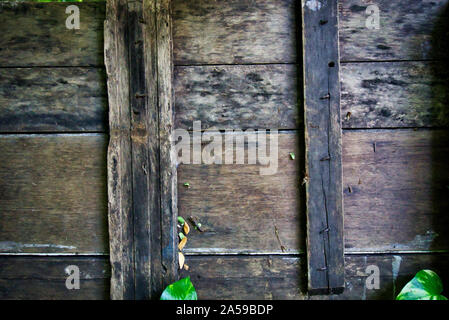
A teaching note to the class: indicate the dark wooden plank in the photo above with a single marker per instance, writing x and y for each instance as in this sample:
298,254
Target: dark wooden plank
408,30
236,31
241,209
121,227
396,191
145,173
53,194
43,278
167,157
35,34
240,97
395,198
265,96
52,99
277,277
324,196
416,91
141,31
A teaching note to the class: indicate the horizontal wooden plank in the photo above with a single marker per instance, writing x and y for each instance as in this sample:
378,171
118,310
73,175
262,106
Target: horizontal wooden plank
35,34
52,99
395,197
235,31
265,96
53,193
396,190
394,94
241,210
397,200
260,96
277,277
217,277
43,278
408,30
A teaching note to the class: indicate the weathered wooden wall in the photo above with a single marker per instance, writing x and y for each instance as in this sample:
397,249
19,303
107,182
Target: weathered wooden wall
53,138
395,148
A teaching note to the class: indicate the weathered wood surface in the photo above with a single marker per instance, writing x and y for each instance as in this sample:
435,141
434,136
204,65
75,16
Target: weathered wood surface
265,96
264,277
119,166
144,149
241,209
52,99
167,157
397,201
35,34
396,194
408,30
142,176
43,278
219,32
274,277
53,193
394,94
323,165
256,96
205,32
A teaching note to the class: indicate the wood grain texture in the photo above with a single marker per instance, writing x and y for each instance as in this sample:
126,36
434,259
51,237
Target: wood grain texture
265,277
230,32
324,196
408,30
274,277
221,97
144,149
167,156
142,176
35,34
394,94
265,96
241,209
396,193
43,278
397,201
53,194
121,226
52,99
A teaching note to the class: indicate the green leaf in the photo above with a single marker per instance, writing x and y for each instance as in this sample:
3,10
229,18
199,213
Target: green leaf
180,290
181,235
186,184
292,155
426,285
181,220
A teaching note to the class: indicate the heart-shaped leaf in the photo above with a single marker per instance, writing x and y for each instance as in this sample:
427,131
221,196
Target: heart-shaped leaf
180,290
426,285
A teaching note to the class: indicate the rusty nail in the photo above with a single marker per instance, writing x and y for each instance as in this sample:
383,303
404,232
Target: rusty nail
325,230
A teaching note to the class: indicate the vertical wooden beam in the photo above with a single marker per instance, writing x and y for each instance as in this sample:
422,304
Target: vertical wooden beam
141,166
119,152
323,147
168,172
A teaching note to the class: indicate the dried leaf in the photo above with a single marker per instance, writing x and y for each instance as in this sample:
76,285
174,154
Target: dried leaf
186,228
181,259
182,243
186,267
